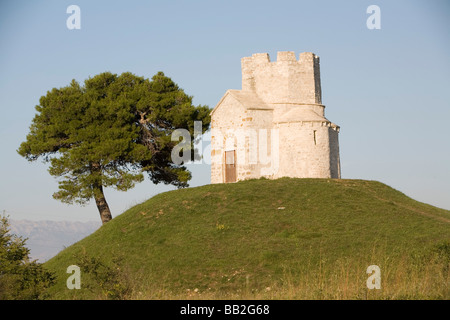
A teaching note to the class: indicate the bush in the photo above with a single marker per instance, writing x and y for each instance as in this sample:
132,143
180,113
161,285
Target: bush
20,278
112,278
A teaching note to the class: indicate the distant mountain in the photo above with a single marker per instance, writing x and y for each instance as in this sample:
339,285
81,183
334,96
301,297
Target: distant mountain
46,238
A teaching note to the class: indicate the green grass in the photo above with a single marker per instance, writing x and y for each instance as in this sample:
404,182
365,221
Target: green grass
267,239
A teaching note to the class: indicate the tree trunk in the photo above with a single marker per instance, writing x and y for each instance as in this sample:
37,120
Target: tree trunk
99,196
102,205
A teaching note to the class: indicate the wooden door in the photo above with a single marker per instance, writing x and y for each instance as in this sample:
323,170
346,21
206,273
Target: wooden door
230,166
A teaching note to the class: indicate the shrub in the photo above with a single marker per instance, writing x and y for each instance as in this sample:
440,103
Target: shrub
20,278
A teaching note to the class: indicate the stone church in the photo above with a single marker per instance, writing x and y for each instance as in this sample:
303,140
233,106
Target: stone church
275,126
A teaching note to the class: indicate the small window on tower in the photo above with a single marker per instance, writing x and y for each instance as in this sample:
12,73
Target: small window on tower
315,140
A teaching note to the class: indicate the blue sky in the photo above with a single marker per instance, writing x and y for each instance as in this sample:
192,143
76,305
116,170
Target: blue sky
388,89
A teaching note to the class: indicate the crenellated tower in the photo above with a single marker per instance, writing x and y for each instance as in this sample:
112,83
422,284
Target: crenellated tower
286,80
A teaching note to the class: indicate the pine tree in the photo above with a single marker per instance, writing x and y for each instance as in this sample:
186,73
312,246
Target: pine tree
109,132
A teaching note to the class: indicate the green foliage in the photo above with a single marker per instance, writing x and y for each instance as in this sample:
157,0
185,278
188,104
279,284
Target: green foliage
20,278
110,132
111,278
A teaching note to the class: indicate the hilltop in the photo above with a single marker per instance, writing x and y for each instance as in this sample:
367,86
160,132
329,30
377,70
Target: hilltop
285,238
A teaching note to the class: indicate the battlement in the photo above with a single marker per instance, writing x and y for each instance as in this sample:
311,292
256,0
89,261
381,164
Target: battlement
286,80
260,58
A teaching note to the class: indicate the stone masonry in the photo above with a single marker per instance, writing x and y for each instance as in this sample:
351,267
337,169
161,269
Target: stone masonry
275,126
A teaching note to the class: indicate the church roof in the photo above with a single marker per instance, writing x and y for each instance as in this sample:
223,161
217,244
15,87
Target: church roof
251,101
300,114
248,99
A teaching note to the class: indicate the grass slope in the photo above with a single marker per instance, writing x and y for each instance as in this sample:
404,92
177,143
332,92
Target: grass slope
265,239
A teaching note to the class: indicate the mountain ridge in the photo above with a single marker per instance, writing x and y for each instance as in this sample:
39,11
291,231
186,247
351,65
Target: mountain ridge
45,238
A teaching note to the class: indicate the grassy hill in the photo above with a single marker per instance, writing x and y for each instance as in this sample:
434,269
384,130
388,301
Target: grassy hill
265,239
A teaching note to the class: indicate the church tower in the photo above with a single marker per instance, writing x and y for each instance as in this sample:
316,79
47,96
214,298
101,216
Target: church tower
275,126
